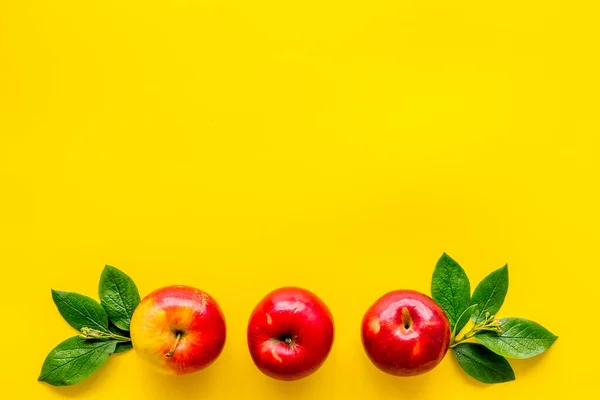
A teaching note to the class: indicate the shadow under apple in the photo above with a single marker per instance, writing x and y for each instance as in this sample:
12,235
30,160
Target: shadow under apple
201,384
309,387
388,386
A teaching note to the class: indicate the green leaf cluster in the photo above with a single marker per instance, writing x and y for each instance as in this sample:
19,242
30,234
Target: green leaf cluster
103,327
498,338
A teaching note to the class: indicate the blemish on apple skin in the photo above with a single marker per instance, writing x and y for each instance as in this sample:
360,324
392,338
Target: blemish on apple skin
374,326
429,324
269,319
416,349
276,356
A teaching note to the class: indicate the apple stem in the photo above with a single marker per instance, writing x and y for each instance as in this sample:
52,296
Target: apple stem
172,351
406,319
453,336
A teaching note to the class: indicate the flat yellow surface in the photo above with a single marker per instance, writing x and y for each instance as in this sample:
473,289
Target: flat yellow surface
341,146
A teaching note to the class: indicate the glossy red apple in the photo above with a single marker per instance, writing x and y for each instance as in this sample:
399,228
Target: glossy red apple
178,329
405,333
290,333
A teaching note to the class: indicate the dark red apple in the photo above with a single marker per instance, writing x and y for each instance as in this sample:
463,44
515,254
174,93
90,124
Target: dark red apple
290,333
405,333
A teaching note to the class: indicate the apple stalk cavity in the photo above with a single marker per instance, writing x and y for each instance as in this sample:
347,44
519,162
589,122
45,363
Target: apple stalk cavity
405,333
290,333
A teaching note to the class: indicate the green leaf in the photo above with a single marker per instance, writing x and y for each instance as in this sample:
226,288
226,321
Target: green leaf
520,338
121,346
450,288
80,311
482,364
119,296
74,360
489,294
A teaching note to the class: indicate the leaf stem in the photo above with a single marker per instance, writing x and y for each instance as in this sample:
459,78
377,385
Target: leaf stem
88,333
458,320
488,324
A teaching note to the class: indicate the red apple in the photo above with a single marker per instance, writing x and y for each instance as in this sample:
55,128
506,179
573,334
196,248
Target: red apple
405,333
178,329
290,333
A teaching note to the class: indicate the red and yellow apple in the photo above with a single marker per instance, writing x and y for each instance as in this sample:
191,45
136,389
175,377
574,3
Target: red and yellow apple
178,329
405,333
290,333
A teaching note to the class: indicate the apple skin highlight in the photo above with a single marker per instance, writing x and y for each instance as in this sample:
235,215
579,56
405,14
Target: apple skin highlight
182,311
405,333
290,333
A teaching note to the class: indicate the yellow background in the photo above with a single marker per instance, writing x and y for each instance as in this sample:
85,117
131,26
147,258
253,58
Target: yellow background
341,146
